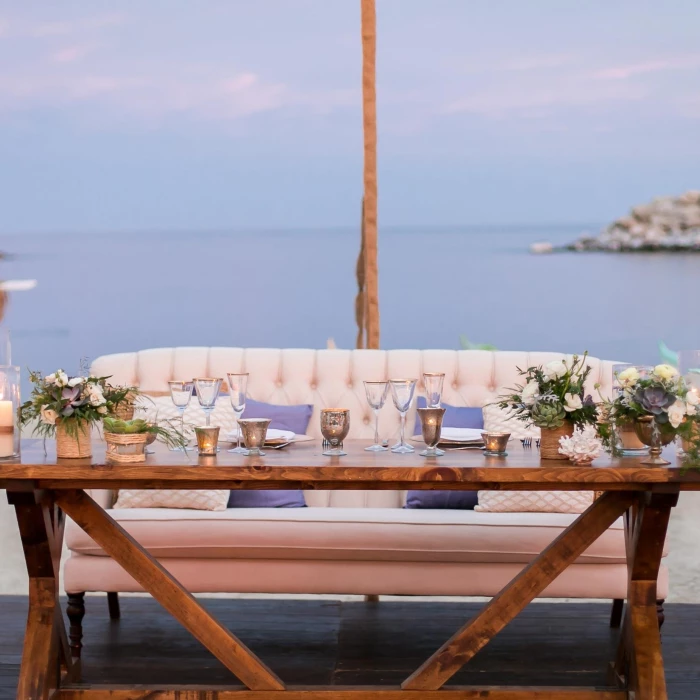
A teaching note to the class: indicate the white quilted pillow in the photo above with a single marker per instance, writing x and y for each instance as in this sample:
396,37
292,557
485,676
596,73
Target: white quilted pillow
497,420
534,501
194,500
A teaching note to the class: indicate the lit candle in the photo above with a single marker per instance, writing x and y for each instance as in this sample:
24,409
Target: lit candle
7,415
207,439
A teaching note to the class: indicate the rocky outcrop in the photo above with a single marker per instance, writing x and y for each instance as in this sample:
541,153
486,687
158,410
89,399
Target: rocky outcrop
666,223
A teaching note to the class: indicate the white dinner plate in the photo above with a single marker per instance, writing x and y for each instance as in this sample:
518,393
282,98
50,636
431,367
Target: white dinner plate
273,435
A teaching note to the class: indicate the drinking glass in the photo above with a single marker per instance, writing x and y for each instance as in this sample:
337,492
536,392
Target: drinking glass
402,391
237,388
433,382
181,394
617,368
376,396
207,394
335,426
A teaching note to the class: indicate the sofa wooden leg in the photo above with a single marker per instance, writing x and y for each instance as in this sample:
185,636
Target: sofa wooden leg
616,613
76,612
660,612
113,604
371,599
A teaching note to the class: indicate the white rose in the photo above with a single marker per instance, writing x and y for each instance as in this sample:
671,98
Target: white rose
530,391
102,409
50,379
48,415
628,377
61,378
572,402
692,398
94,389
676,413
665,371
75,381
690,409
555,369
96,399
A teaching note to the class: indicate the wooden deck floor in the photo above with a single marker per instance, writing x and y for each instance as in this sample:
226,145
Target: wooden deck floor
328,642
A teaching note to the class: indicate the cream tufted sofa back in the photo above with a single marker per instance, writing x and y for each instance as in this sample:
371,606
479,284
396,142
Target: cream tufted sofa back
327,378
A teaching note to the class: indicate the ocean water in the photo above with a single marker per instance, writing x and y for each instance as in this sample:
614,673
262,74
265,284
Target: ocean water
106,293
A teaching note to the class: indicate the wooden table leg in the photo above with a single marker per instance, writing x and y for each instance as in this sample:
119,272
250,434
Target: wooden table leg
181,604
45,656
642,651
522,590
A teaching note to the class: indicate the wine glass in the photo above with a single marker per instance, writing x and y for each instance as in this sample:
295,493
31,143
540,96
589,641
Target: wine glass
207,394
433,382
181,394
335,426
237,388
402,391
376,396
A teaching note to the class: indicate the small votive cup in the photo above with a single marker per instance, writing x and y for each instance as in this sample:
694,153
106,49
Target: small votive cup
495,443
335,426
207,439
254,432
431,429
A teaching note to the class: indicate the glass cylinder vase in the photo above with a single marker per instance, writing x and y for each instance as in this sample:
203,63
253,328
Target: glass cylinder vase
9,413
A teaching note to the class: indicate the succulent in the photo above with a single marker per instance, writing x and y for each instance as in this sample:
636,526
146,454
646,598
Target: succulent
547,414
126,427
655,400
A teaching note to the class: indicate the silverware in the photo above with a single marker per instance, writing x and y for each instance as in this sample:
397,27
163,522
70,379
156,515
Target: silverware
527,442
465,447
278,447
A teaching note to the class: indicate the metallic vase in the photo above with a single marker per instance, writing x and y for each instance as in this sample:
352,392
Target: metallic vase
654,435
254,431
431,429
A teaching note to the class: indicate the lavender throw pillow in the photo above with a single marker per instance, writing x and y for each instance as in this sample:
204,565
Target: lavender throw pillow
294,418
245,498
455,416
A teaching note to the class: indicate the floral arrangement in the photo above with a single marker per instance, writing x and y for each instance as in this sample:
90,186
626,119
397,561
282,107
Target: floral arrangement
552,394
169,435
60,398
663,395
583,446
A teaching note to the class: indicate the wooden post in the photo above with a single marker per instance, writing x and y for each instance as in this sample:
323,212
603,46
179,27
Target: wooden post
369,120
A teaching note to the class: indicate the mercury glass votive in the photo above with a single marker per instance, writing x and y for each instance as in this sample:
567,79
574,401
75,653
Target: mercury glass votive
335,426
431,429
207,439
254,432
495,443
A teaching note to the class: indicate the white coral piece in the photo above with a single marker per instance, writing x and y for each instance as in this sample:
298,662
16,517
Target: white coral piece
583,446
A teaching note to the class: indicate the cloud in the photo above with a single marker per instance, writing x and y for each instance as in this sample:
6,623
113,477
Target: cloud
647,67
78,26
70,54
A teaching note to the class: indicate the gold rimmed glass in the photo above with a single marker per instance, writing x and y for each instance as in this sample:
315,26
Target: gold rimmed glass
181,394
431,428
207,393
433,382
237,391
335,426
402,392
376,397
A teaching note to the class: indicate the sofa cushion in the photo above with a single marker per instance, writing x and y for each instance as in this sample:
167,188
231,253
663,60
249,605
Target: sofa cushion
365,534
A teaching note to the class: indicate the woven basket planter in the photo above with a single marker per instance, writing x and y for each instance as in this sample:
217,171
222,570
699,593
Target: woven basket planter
126,449
76,445
549,440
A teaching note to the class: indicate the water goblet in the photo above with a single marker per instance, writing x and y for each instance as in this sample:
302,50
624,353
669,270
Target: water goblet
431,427
207,394
376,396
254,434
402,391
335,426
181,394
237,388
433,382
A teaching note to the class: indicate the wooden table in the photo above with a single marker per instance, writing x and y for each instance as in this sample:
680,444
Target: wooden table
43,490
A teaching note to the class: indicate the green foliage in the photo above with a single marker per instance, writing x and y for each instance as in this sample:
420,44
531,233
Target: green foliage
169,435
466,344
548,415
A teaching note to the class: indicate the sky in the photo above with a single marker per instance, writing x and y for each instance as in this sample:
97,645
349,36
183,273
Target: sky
218,114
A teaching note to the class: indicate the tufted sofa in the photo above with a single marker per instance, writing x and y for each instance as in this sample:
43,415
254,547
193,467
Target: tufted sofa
345,542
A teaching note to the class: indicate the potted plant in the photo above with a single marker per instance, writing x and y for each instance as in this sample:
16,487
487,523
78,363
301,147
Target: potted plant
121,401
127,439
552,398
66,407
660,406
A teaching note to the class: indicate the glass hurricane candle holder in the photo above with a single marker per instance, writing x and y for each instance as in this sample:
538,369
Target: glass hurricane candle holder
254,432
207,439
335,426
495,443
9,413
431,428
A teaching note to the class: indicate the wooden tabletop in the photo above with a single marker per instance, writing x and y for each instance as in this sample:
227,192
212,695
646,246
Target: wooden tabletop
303,466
